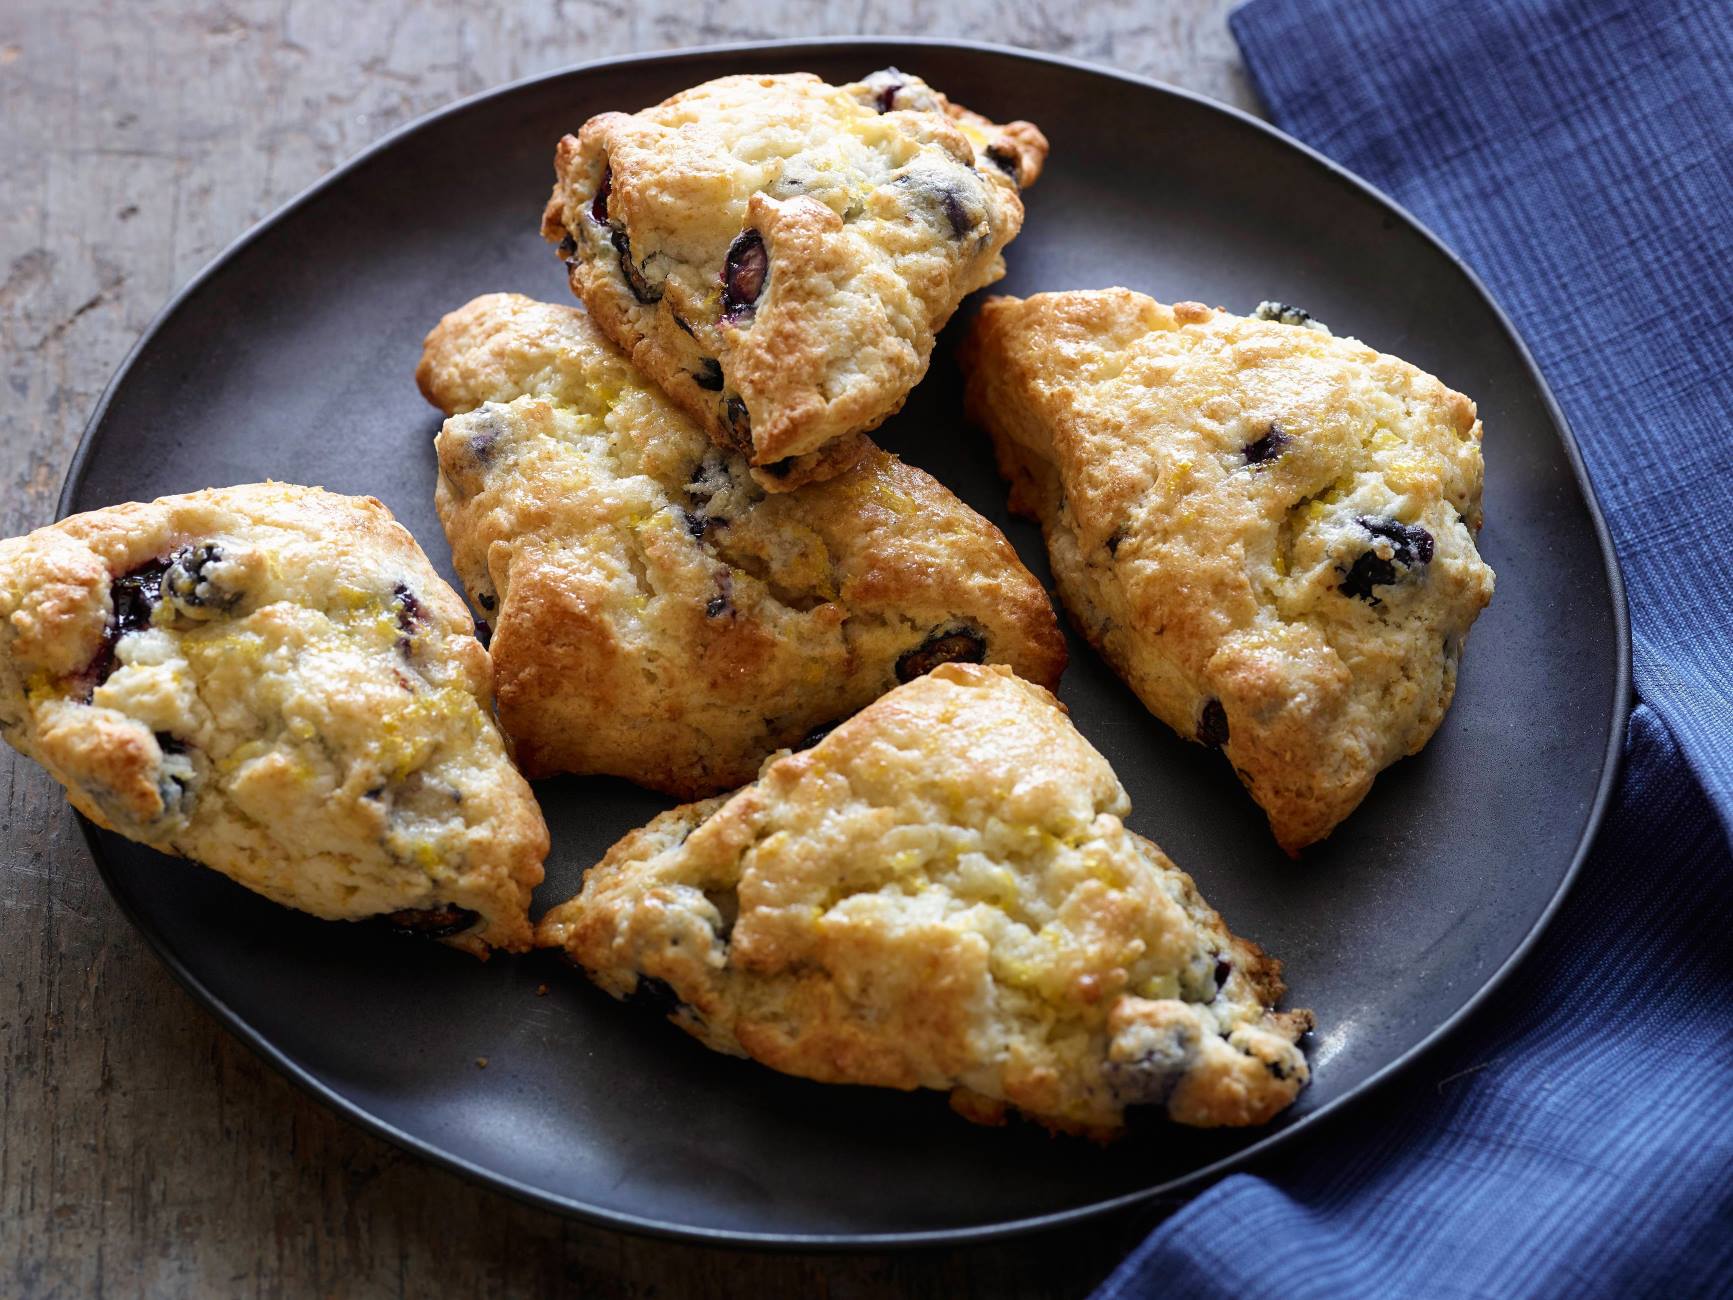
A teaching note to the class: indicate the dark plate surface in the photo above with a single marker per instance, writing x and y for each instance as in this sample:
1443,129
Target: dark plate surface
292,357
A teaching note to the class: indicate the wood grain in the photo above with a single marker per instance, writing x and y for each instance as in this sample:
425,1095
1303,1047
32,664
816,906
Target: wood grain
145,1151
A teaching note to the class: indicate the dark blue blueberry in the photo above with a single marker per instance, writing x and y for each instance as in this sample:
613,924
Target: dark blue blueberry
886,98
187,583
957,215
708,375
134,594
710,477
480,437
743,275
1212,725
1224,968
410,613
174,788
1268,447
935,193
957,645
411,617
737,420
1411,545
1004,160
1412,542
722,602
641,288
599,204
440,922
1367,572
1282,312
657,997
1151,1078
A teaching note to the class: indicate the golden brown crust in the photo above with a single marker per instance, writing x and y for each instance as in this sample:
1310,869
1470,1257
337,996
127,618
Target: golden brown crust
871,209
657,615
273,681
941,894
1267,531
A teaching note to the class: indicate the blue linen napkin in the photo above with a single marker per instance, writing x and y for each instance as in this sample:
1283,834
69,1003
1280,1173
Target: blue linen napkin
1577,1138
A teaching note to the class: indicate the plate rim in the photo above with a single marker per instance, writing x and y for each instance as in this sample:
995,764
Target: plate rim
1187,1184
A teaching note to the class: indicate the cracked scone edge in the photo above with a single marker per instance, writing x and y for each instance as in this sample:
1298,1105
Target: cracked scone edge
897,205
302,706
1266,530
579,530
942,894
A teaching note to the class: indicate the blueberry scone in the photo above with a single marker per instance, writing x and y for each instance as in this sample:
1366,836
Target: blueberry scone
1268,531
657,615
778,253
273,681
942,894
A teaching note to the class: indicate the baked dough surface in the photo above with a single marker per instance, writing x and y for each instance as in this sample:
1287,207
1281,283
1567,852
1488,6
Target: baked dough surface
942,894
1266,530
273,681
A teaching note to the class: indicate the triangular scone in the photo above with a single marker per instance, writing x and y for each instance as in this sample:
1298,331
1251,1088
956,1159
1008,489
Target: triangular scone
778,253
273,681
942,894
657,615
1268,531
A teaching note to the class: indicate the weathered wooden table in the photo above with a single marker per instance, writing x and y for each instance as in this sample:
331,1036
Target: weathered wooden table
143,1151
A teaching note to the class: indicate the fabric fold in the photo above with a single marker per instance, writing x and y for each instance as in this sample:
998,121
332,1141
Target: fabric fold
1572,1138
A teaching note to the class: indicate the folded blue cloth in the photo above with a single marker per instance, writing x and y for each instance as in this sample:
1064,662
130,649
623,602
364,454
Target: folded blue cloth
1576,1138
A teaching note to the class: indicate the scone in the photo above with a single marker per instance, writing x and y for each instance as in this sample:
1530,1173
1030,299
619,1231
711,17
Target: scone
1266,530
942,894
272,681
657,615
778,253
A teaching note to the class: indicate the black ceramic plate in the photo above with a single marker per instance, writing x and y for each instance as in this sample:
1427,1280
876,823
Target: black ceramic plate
291,358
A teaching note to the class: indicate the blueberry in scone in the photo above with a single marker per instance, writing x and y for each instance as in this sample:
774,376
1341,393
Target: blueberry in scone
273,681
942,893
1268,531
778,253
657,615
